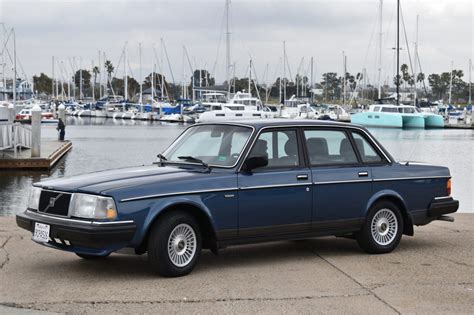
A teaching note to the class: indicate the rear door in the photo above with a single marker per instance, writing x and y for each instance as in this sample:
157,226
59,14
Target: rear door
342,184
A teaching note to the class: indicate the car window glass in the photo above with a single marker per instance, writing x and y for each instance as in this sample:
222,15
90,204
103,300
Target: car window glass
329,147
281,148
366,150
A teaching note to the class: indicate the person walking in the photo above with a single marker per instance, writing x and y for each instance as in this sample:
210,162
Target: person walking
62,129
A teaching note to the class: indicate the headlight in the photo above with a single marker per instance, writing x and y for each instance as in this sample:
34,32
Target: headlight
33,200
92,207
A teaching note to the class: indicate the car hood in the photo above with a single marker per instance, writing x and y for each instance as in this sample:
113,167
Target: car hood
106,181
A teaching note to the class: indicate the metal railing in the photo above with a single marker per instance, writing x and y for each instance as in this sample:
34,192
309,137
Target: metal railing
14,136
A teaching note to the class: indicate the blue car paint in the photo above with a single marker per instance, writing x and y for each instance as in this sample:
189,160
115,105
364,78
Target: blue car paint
142,193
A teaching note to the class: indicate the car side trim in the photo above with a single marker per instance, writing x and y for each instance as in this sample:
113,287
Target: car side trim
408,178
179,193
276,186
343,181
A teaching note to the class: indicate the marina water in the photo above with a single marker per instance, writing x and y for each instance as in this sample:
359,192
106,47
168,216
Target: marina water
100,144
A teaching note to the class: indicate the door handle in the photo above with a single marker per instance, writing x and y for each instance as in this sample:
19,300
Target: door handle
302,177
363,174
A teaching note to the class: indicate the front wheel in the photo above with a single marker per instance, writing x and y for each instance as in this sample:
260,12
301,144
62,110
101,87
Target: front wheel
382,229
174,245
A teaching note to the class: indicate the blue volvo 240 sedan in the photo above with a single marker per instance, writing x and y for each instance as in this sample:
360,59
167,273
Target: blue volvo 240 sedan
235,183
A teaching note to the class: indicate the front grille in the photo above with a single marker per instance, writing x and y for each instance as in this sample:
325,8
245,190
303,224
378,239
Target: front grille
52,202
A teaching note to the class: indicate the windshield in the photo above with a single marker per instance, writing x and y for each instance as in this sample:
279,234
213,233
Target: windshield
217,145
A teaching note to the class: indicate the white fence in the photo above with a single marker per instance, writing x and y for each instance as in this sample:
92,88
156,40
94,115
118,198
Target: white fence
14,136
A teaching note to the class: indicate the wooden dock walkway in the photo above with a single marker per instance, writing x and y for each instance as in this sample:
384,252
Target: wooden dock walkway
51,153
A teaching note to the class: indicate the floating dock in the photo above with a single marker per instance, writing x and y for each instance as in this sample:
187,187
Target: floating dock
51,153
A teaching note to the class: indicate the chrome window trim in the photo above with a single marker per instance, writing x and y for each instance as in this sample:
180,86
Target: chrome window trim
320,127
84,222
212,124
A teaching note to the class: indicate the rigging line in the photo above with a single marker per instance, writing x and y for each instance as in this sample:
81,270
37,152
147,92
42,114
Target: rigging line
118,64
219,46
406,41
168,59
421,71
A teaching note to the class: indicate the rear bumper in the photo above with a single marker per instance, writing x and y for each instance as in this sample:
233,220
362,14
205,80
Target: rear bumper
443,205
438,207
82,236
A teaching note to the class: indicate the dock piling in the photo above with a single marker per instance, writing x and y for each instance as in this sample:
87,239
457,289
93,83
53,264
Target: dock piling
36,131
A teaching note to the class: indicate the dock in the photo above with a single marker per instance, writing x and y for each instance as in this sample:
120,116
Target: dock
51,153
431,272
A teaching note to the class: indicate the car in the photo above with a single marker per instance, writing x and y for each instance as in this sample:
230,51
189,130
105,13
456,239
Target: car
223,184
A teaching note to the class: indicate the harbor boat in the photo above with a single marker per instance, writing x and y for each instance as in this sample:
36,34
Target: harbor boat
25,116
242,106
401,116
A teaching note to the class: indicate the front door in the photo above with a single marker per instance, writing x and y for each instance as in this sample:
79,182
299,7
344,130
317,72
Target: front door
276,199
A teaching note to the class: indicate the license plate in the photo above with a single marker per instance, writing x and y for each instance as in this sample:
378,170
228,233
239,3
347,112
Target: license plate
41,233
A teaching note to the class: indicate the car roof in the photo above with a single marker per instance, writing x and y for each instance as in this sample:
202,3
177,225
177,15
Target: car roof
277,122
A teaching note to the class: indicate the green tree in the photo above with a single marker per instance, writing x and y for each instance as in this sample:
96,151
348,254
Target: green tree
109,68
42,83
331,85
86,78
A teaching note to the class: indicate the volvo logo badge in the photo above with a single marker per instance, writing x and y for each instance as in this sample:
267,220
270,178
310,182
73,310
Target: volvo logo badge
52,200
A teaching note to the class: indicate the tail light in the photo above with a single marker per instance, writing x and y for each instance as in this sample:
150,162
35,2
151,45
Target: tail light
448,187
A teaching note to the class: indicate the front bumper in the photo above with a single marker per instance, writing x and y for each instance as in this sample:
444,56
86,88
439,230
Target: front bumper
82,236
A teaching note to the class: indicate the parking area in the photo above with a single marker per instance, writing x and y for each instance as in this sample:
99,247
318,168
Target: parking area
432,272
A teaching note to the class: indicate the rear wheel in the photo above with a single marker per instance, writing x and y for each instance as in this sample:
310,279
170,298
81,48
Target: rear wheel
174,245
382,229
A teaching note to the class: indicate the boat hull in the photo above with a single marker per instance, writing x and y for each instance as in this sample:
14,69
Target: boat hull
372,119
413,121
434,121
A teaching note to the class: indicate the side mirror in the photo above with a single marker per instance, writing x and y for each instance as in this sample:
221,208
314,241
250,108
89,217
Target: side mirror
255,162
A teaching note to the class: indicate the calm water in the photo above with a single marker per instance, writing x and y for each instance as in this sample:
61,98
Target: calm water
105,144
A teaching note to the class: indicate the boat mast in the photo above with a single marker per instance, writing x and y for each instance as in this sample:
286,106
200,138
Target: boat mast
470,82
80,79
284,71
343,78
250,77
125,71
100,78
450,83
311,91
380,51
398,52
93,87
52,81
141,81
416,60
227,39
14,68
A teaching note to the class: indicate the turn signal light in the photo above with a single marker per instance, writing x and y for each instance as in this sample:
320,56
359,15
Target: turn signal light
448,187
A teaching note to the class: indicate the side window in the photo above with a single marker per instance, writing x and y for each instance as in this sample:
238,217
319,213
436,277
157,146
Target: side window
329,147
281,148
366,150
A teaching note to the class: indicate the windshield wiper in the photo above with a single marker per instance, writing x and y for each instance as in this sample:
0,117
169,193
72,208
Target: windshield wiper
192,159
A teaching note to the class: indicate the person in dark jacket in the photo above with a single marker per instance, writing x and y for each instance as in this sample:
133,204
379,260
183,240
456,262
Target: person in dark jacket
62,129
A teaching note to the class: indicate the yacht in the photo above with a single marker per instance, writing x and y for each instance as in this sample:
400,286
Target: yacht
242,106
401,116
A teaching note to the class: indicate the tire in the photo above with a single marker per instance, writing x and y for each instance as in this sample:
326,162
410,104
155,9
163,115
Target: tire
92,257
382,230
174,245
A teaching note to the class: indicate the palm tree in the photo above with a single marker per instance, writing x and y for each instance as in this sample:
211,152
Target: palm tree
109,67
95,71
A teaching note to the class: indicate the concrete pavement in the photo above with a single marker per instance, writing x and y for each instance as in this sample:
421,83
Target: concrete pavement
432,272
